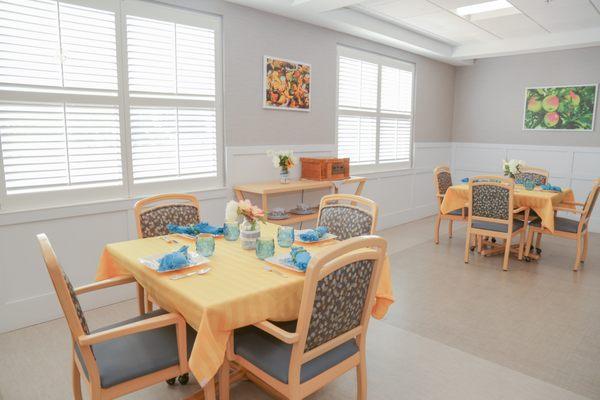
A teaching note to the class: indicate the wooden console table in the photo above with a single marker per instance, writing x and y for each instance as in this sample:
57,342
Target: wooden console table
267,189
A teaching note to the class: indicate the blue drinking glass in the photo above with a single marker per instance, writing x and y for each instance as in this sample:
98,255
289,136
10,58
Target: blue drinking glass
205,245
285,236
529,185
232,231
265,248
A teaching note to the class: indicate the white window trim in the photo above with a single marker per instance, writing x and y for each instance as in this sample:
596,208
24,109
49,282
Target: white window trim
379,59
80,195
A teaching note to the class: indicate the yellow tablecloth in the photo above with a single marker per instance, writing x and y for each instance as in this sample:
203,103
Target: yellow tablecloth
540,201
237,292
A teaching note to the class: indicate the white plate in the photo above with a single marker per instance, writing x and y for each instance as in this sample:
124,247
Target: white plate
283,261
153,263
327,236
192,237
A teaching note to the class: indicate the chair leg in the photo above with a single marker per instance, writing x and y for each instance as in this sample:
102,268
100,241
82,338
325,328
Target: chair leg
521,244
361,379
76,382
224,380
578,256
506,253
586,237
149,305
538,243
209,390
450,223
529,242
467,245
479,240
436,229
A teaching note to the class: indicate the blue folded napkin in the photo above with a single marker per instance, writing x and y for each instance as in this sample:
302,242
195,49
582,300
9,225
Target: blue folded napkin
202,227
172,261
313,235
464,180
551,187
299,257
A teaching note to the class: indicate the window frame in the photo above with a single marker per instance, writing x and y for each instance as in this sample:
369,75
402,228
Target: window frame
380,60
75,195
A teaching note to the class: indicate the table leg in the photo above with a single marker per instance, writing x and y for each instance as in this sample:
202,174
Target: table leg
239,194
360,188
141,299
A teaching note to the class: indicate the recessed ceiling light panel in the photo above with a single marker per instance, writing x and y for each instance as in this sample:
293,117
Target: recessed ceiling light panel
484,7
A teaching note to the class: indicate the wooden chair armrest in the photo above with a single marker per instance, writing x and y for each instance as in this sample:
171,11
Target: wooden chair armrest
573,203
135,327
119,280
567,209
274,330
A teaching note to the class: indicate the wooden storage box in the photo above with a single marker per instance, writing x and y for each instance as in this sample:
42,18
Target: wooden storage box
325,169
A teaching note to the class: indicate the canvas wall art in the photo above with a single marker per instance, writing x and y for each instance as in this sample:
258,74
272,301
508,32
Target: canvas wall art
286,84
562,108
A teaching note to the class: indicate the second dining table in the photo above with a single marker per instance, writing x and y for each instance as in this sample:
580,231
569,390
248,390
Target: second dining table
538,200
237,292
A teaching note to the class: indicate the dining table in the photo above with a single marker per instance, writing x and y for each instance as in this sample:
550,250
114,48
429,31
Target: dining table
238,290
538,200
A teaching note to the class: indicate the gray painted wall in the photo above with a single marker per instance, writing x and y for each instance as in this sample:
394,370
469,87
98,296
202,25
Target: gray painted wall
250,34
489,96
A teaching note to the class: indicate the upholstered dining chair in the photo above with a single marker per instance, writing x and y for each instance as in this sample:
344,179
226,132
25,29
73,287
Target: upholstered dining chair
297,358
153,214
570,228
124,357
442,180
492,214
539,176
347,215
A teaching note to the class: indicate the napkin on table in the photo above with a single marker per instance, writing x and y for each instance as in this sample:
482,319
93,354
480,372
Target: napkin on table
202,227
300,257
551,187
313,235
174,260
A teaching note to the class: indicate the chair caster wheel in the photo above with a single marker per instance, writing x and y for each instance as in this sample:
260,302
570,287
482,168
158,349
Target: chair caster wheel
527,259
493,240
539,251
171,381
472,248
184,379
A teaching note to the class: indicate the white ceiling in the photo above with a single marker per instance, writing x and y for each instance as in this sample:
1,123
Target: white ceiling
433,28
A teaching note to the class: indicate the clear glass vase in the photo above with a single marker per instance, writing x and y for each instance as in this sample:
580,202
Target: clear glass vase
284,176
249,233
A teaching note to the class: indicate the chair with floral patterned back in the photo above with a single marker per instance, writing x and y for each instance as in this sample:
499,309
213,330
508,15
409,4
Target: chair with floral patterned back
539,176
491,214
153,214
442,180
347,215
124,357
299,357
568,228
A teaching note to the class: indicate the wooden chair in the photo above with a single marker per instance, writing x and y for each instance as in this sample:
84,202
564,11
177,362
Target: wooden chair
492,214
539,176
124,357
568,228
153,214
297,358
442,180
348,215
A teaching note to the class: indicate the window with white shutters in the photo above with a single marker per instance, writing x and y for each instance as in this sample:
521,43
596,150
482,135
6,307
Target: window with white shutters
111,94
374,110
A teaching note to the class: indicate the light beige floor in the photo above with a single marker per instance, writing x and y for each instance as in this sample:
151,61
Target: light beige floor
456,331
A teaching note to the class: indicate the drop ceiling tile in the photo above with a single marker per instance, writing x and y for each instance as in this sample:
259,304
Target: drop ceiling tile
395,9
449,26
561,15
517,25
454,4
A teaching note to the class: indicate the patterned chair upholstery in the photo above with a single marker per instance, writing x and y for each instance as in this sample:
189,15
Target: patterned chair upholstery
154,221
346,221
538,179
491,202
444,181
339,302
76,303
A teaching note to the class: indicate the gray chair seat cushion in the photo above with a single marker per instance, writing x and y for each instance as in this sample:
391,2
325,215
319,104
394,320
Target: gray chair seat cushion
129,357
273,356
562,224
455,212
494,226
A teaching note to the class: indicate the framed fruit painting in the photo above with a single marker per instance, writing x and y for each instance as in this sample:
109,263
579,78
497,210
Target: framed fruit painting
565,108
286,84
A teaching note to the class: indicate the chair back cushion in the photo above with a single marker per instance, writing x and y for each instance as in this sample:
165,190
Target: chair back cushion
154,221
346,221
491,201
444,181
538,179
339,302
77,305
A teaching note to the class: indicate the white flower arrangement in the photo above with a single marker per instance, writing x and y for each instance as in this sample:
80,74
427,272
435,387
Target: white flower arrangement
283,159
512,167
231,211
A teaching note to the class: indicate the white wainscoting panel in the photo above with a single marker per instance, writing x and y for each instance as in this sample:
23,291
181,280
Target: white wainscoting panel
574,167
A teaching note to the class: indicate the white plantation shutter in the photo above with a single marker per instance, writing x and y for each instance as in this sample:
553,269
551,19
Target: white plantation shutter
173,64
374,123
53,145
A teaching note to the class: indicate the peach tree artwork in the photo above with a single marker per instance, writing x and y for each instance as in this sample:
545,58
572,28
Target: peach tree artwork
286,85
560,108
